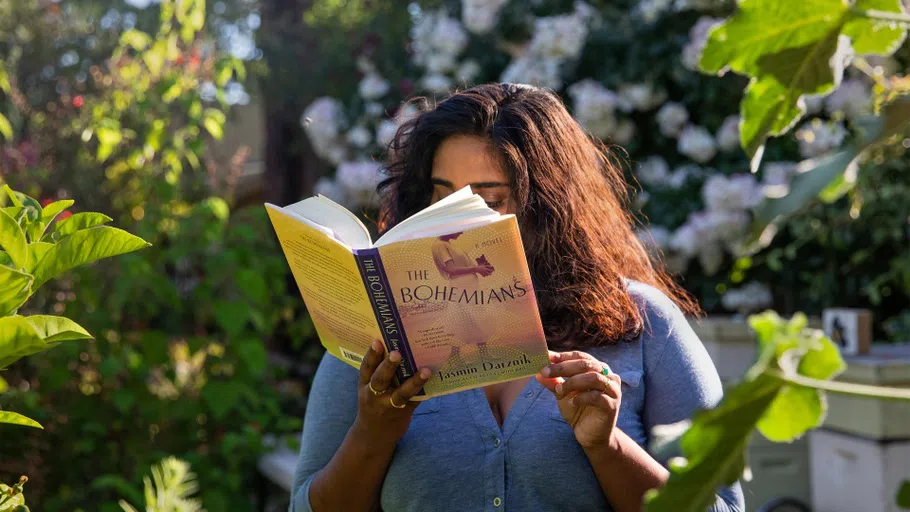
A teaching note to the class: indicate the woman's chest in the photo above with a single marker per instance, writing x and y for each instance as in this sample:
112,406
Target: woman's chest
456,456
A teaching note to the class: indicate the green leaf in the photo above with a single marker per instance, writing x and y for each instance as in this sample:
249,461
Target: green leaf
811,178
123,399
772,103
17,340
714,448
15,289
86,246
875,36
56,329
109,138
793,412
231,316
36,253
6,129
252,352
4,79
17,419
83,220
122,486
759,28
214,128
823,360
13,241
903,495
222,396
137,39
52,210
13,196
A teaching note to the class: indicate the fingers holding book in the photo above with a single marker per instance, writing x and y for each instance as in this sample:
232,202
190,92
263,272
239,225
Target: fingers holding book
384,409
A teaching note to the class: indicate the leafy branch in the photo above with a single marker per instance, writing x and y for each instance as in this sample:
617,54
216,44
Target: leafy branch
38,244
782,395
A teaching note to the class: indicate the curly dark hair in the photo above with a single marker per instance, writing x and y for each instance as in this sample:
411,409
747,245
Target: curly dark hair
572,206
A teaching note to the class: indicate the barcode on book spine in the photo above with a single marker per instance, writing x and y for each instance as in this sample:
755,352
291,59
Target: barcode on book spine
351,356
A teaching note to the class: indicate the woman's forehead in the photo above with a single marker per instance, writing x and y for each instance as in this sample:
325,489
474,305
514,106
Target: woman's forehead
465,159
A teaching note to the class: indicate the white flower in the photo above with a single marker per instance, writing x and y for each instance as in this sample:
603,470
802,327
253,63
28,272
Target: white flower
594,106
751,298
322,120
696,143
407,112
698,37
438,39
682,174
336,153
685,240
468,71
436,83
731,193
560,36
365,65
533,71
817,137
651,10
330,189
625,130
385,132
359,136
359,179
711,257
373,87
672,117
853,97
776,178
728,134
480,16
641,96
373,109
653,171
655,237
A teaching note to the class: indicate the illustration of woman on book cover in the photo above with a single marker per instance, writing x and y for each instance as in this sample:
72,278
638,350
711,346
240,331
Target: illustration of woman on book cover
455,264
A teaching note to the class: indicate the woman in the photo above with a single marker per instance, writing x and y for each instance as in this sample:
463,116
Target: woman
623,357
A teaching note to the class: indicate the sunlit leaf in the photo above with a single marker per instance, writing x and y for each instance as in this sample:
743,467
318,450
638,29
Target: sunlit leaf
108,140
137,39
4,79
15,288
36,252
18,339
3,385
56,329
77,221
6,129
794,411
13,241
823,360
14,418
84,247
214,128
875,36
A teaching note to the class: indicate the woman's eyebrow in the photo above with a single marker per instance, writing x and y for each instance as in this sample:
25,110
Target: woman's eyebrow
489,184
442,182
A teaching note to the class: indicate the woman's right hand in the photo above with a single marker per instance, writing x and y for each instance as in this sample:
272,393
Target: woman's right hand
380,415
484,270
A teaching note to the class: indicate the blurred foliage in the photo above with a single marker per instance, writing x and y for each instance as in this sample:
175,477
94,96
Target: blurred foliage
179,363
171,489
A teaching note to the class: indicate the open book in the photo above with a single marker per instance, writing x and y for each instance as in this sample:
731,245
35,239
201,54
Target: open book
448,287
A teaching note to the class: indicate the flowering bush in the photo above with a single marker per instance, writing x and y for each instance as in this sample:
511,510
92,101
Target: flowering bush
629,73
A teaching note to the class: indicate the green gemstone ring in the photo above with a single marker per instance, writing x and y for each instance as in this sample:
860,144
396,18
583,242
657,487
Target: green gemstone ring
606,370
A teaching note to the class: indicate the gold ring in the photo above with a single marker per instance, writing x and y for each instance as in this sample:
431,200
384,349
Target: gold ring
391,401
377,393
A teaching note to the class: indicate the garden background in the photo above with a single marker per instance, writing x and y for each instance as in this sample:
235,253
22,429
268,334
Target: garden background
179,119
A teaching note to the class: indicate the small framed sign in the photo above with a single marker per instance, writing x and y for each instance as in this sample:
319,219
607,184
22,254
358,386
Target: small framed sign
849,329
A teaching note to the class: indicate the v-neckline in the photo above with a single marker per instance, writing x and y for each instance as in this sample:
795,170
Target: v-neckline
476,401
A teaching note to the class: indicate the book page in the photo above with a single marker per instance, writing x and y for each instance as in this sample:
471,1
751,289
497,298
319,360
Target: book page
326,273
470,328
325,212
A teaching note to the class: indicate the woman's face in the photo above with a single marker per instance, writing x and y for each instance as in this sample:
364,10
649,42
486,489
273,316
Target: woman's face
463,160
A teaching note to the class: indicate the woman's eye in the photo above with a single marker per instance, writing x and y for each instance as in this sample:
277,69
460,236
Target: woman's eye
495,204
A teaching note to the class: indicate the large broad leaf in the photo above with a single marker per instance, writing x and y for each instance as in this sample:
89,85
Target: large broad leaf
794,411
83,247
714,449
18,419
903,495
231,316
13,241
55,329
764,27
222,396
82,220
875,36
36,253
18,339
15,288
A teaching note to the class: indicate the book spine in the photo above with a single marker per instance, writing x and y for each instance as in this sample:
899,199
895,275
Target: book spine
381,299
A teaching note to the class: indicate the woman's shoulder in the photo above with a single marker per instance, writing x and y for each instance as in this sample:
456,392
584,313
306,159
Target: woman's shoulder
654,306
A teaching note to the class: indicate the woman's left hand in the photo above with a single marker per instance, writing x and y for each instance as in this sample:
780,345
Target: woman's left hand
588,400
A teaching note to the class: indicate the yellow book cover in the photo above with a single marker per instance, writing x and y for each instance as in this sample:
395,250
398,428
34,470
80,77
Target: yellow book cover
458,301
